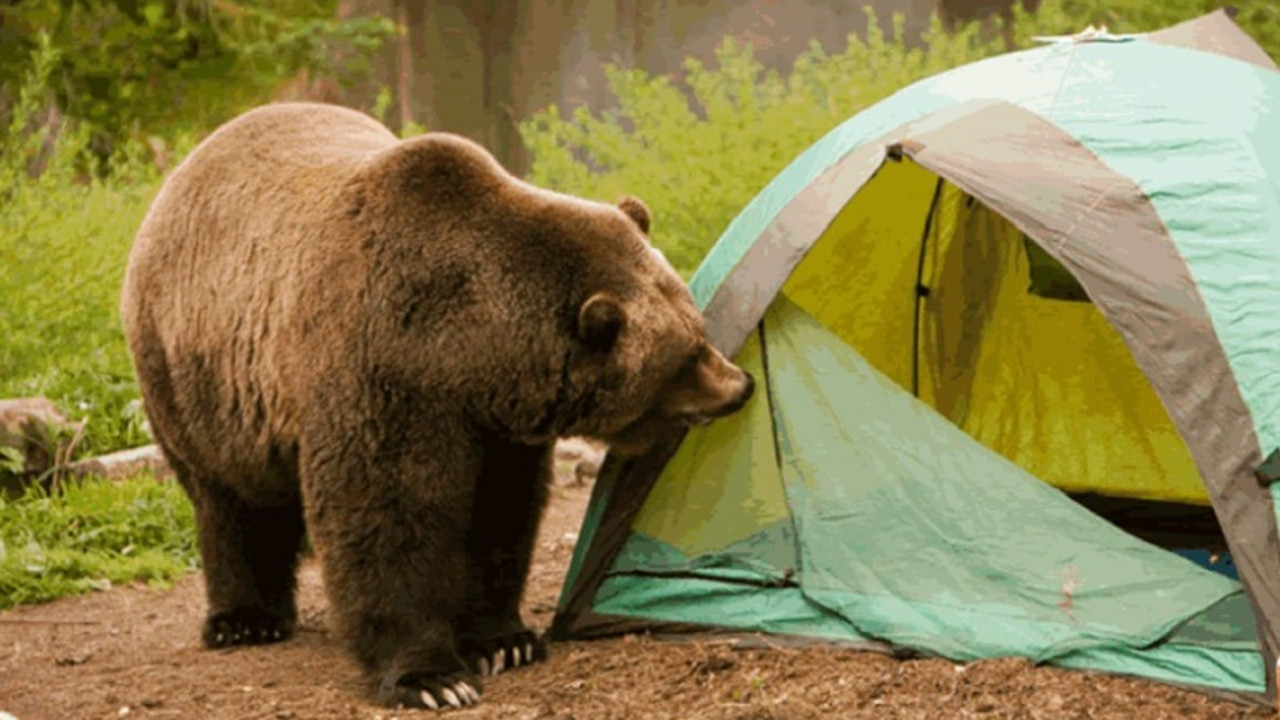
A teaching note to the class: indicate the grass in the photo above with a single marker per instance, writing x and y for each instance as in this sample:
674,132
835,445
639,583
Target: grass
93,535
64,243
62,257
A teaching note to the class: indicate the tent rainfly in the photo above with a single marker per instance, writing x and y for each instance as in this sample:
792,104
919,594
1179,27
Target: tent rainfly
1052,272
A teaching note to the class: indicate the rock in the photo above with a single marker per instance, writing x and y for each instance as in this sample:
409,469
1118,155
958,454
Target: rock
30,419
125,463
41,435
45,438
578,460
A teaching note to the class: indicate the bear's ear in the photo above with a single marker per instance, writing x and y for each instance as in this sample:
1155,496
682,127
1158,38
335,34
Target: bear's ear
600,321
635,209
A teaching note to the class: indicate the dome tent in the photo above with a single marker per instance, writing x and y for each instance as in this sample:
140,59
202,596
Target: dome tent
1046,272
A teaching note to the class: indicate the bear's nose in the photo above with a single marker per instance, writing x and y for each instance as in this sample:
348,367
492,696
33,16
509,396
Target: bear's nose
748,388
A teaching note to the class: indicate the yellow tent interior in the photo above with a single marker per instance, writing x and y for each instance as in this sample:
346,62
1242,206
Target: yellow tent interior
951,301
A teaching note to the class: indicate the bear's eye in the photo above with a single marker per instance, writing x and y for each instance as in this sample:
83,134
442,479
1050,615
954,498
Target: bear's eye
691,361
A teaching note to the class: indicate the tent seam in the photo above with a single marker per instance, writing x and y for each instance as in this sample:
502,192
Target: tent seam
797,567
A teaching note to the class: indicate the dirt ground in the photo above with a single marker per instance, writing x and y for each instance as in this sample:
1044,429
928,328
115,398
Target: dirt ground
133,652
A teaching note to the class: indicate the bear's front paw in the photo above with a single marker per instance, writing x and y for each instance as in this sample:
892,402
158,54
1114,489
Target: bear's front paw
505,652
245,626
432,691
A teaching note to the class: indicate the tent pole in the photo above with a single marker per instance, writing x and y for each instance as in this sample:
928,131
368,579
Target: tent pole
921,291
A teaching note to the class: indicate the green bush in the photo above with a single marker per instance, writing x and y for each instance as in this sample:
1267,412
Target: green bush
129,69
698,152
64,243
89,535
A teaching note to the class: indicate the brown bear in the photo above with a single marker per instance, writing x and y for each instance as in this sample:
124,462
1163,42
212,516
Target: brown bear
377,342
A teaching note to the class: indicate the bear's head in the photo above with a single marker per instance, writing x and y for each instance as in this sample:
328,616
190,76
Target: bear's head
546,315
643,354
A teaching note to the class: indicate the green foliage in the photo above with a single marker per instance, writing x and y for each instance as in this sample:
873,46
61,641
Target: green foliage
90,535
698,152
12,461
64,243
132,68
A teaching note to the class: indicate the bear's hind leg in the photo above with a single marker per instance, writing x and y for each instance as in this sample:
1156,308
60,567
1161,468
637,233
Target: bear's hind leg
250,557
510,498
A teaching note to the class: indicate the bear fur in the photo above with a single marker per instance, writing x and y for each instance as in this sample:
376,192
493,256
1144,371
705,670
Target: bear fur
377,342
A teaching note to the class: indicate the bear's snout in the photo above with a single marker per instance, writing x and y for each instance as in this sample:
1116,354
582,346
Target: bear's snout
721,388
746,386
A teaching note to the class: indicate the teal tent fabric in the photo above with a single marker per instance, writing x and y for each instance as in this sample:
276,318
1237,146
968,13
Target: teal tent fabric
907,531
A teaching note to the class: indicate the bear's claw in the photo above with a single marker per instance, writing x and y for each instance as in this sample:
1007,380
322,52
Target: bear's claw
508,652
457,696
245,626
438,693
